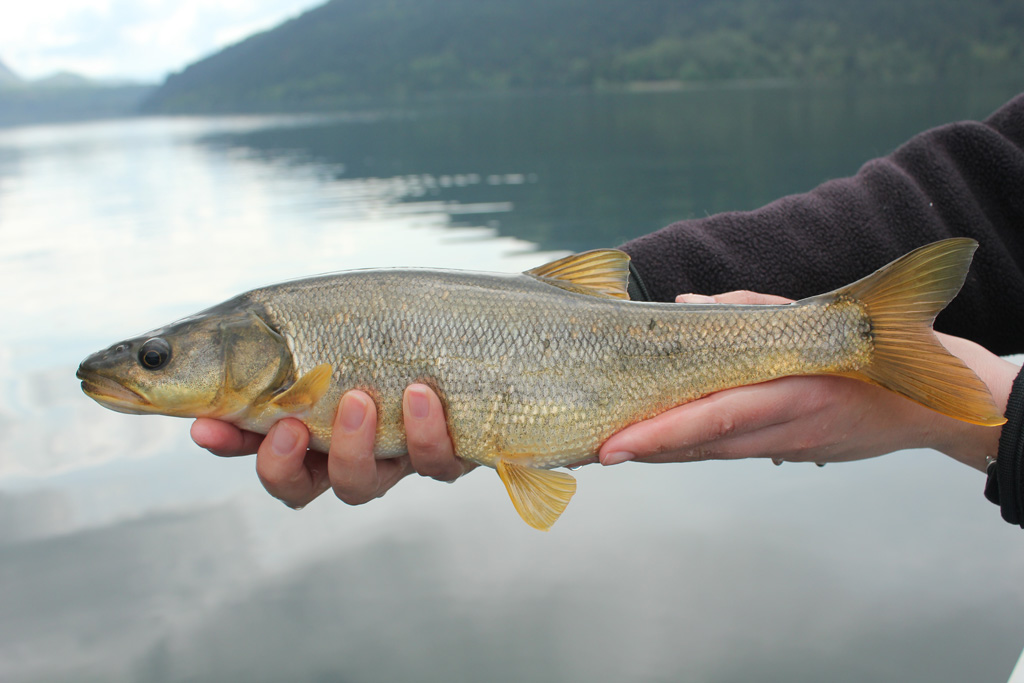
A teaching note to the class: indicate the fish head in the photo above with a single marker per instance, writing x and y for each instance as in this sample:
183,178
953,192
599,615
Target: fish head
214,364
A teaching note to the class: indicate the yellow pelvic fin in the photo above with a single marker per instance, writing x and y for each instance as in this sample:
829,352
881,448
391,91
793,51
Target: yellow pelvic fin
601,272
540,496
306,391
902,300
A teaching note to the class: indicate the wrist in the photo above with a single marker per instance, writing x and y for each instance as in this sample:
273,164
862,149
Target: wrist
970,444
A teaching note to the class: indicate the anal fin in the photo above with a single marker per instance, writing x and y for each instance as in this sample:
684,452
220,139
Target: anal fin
540,496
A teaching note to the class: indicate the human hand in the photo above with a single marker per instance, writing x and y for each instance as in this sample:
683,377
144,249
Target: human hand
811,419
296,475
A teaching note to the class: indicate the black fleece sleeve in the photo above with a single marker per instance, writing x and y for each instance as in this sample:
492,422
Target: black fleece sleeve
962,179
1005,484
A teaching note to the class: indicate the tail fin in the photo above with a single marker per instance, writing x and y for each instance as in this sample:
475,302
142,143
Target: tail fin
902,300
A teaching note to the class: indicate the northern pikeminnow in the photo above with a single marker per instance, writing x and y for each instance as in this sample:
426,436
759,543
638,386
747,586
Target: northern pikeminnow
535,370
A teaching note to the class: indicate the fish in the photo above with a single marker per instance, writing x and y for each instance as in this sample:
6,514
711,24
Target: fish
535,370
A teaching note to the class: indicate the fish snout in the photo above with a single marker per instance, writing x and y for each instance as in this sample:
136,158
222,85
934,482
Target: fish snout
110,359
104,377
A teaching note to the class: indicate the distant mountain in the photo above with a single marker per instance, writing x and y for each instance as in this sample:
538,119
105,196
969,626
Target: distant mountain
8,77
35,105
356,50
66,79
62,79
65,96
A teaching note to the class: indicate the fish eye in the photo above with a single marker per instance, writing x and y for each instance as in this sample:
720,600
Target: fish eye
154,354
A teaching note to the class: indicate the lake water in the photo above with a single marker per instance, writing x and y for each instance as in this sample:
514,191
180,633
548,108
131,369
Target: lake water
127,553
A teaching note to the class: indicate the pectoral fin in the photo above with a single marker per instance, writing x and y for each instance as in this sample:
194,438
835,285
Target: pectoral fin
306,391
540,496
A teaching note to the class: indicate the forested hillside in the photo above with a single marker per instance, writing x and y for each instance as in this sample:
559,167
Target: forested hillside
353,50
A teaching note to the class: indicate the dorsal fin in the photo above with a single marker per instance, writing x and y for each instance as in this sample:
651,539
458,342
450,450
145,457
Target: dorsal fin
540,496
601,272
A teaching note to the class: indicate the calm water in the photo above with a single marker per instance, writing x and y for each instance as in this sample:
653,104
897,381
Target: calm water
126,553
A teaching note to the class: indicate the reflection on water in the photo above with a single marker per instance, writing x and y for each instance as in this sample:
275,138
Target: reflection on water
599,170
126,553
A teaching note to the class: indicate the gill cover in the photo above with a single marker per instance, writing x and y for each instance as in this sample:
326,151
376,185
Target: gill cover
256,363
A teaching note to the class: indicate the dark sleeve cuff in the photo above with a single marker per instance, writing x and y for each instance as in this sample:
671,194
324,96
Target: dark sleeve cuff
636,288
1005,485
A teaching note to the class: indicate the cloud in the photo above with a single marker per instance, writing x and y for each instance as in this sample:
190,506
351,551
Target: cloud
140,40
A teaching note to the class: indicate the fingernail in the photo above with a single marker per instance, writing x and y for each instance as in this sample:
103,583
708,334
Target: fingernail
353,412
283,440
616,458
419,404
694,299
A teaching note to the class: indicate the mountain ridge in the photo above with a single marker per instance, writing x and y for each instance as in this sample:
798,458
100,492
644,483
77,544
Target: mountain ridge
349,51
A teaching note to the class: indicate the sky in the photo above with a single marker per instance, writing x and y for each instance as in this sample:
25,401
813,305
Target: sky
140,40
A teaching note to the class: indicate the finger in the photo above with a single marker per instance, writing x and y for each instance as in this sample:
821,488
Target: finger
430,448
750,298
350,461
695,299
737,297
288,472
355,475
223,439
794,441
834,419
690,431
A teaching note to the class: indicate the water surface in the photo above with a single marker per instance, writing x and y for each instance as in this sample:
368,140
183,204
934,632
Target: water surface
126,553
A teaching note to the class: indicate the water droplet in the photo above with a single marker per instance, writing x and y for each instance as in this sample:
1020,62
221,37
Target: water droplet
821,464
777,461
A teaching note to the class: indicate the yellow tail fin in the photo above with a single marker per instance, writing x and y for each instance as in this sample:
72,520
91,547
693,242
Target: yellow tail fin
902,300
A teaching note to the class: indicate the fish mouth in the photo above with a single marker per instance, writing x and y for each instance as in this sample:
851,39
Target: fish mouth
111,394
